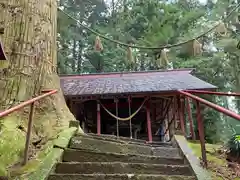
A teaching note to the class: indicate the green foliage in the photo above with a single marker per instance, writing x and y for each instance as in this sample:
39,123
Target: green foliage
234,146
11,144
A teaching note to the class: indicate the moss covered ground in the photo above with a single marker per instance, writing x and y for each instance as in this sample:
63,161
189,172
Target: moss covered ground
12,143
218,165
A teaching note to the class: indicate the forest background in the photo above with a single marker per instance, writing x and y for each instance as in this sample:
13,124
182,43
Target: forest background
156,23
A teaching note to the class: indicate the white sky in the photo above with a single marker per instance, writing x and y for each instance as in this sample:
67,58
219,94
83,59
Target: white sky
203,1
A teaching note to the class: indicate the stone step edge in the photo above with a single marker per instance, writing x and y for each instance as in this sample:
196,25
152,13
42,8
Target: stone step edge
119,154
125,140
115,137
125,164
76,138
120,175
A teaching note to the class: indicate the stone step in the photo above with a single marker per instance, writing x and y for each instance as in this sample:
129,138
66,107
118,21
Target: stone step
117,177
121,168
154,138
125,139
71,155
81,142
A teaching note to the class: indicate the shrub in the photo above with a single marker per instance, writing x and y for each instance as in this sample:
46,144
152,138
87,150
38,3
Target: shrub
234,146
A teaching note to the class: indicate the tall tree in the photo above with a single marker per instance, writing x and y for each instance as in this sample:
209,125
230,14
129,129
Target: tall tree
29,40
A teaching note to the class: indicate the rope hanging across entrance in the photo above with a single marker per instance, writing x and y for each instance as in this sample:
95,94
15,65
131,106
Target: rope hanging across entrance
127,118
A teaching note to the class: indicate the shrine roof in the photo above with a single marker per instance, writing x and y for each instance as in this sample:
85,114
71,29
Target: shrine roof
132,82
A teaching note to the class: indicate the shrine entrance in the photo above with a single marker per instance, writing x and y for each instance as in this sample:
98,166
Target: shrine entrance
131,127
134,117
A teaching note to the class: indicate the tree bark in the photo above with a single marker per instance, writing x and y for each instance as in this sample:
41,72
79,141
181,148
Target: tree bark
29,41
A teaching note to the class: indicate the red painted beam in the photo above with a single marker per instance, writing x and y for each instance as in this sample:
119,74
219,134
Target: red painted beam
213,93
212,105
21,105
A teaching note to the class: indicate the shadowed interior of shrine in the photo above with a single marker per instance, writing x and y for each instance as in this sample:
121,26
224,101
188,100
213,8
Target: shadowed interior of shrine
160,109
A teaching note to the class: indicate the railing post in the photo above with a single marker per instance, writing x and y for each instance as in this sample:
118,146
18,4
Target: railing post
28,135
201,133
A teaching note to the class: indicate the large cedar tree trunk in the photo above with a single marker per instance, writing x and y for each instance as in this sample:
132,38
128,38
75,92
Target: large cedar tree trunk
29,41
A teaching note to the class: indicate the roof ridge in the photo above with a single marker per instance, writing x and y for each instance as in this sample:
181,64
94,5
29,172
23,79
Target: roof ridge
129,72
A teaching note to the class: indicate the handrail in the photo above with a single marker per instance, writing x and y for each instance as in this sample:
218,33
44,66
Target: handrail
25,103
221,109
213,93
30,119
212,105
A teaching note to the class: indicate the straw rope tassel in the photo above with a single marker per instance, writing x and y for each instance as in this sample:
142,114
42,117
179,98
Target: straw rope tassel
130,55
162,60
221,29
196,48
98,44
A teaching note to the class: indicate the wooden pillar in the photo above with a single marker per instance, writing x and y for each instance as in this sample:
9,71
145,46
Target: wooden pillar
98,119
149,127
130,113
173,118
116,101
176,113
181,114
167,126
189,110
201,133
170,121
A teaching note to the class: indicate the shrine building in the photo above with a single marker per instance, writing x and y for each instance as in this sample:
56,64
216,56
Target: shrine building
130,104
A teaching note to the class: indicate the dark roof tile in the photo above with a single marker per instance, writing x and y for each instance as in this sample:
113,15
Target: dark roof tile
115,83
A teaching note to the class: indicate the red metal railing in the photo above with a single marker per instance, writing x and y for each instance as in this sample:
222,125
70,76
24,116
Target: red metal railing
213,93
30,120
199,100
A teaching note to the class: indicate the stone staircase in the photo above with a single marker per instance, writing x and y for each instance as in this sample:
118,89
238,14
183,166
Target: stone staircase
92,157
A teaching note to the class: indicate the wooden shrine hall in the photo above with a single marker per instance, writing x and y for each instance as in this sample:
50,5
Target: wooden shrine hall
142,105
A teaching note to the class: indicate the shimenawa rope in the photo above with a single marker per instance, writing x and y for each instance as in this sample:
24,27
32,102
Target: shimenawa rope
151,48
127,118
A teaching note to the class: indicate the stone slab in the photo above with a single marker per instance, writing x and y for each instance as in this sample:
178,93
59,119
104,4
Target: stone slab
121,168
114,147
71,155
117,177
